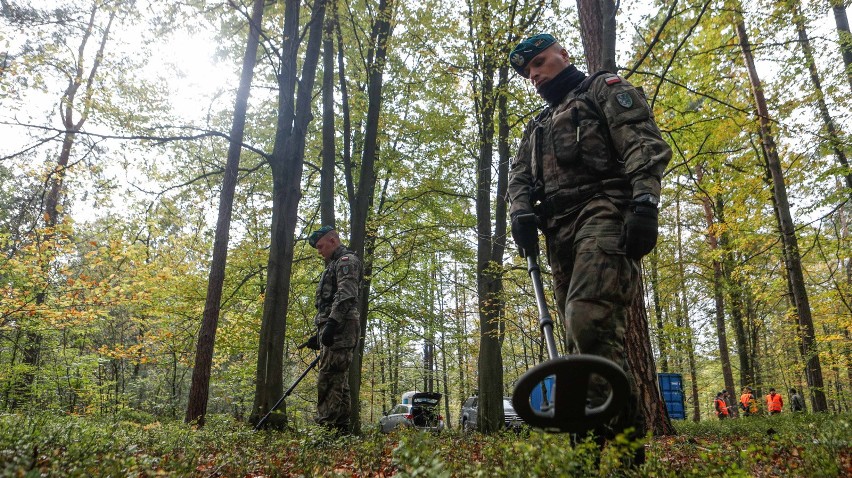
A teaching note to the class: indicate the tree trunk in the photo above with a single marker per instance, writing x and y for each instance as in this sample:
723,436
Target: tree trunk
362,202
328,132
828,121
662,339
788,232
286,162
198,393
843,36
734,290
597,28
650,402
489,282
718,295
684,311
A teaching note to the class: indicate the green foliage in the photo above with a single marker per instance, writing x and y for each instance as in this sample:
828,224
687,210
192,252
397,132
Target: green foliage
799,445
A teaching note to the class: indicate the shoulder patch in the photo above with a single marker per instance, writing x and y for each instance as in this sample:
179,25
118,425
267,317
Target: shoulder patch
344,258
612,80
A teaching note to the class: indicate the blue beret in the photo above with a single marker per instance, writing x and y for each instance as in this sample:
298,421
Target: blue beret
317,235
528,49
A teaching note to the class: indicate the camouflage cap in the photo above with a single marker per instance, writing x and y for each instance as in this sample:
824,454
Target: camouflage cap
528,49
317,235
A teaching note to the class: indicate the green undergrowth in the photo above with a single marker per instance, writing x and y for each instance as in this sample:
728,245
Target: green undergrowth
807,445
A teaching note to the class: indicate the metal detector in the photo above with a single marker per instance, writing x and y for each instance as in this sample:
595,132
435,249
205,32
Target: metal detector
287,393
565,407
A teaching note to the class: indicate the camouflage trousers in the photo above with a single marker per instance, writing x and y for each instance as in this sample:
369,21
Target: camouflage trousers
333,403
594,283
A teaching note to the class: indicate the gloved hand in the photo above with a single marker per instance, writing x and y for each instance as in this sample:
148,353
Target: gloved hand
312,343
524,232
329,332
640,227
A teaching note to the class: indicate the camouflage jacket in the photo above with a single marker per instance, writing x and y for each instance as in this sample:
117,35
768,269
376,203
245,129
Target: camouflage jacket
601,139
338,288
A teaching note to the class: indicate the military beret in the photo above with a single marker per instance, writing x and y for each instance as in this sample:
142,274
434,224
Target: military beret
317,235
528,49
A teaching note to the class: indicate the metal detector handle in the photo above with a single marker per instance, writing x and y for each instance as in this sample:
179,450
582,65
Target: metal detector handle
287,393
544,319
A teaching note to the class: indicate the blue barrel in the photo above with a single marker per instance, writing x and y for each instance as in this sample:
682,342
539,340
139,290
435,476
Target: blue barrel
541,398
671,388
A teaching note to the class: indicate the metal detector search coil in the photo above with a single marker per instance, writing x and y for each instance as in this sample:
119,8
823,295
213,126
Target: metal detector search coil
568,411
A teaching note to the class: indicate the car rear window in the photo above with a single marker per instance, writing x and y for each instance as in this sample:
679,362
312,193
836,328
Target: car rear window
426,401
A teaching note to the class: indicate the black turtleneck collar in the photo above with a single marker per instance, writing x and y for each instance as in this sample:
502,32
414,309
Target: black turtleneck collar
560,85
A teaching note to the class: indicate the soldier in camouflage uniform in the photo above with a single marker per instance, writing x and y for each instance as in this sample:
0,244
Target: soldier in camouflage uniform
338,327
589,167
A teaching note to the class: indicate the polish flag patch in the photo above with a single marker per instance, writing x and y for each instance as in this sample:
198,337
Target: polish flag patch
611,80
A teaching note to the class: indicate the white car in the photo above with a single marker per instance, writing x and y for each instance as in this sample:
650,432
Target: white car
421,413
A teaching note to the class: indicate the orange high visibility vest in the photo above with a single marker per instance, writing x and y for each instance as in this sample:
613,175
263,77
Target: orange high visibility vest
721,407
774,402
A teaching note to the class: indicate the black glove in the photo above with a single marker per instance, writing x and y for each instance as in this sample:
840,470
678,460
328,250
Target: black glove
640,227
329,332
524,232
312,343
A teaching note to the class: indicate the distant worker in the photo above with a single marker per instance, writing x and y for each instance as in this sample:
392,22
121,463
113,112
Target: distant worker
338,327
748,404
797,403
774,402
721,405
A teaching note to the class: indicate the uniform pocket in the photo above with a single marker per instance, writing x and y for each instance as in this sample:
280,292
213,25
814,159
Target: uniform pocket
595,148
564,134
348,334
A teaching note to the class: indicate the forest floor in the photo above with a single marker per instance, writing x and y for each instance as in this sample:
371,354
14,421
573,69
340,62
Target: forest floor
801,445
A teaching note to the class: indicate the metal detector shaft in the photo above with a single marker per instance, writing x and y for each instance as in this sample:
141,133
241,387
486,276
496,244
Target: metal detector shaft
287,393
544,319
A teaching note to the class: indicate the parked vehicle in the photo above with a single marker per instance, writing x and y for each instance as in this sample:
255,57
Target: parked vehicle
470,408
419,410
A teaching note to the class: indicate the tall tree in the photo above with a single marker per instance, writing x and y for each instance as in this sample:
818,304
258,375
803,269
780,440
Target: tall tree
488,264
196,408
362,238
718,286
597,28
76,104
328,133
828,122
286,162
789,240
843,35
683,312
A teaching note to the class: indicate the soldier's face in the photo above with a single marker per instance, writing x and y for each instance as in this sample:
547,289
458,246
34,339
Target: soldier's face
547,64
326,246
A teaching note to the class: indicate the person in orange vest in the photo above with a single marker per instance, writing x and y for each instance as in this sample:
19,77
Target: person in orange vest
748,404
721,405
774,402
